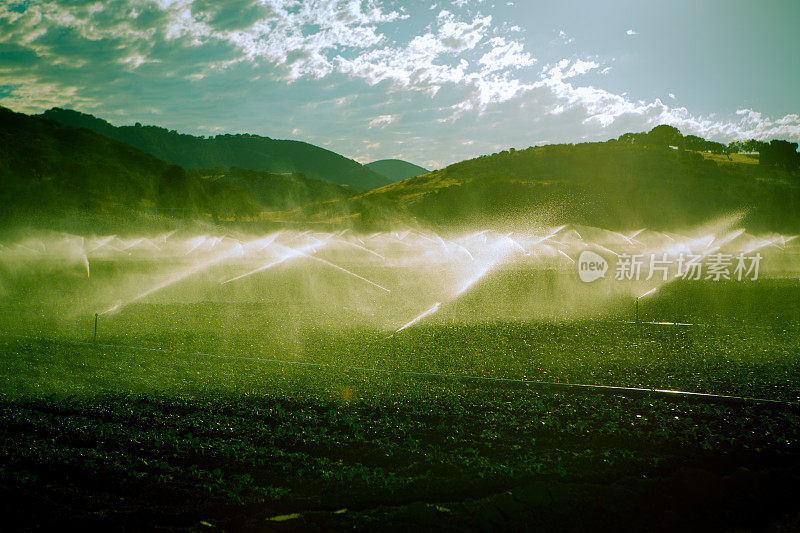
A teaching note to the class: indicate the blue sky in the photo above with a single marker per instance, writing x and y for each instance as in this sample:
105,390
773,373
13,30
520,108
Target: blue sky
429,82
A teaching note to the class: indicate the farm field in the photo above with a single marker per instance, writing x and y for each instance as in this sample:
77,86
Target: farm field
299,381
373,265
109,435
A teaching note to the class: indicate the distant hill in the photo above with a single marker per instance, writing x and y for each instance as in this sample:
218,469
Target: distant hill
280,192
47,168
612,185
396,169
246,151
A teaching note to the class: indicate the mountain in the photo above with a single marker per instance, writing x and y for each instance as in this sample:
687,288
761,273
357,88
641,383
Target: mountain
245,151
48,169
396,169
612,185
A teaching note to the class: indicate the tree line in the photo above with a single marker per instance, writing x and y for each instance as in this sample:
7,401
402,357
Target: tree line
775,153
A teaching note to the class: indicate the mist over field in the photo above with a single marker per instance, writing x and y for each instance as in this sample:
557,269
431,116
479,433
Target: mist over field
382,280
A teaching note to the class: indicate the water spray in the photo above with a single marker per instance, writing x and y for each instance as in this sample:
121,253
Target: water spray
326,262
423,267
428,312
648,293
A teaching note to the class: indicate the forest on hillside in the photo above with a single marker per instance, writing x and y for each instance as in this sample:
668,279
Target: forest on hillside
659,179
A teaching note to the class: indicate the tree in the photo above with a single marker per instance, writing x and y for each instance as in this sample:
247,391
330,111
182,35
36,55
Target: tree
781,154
693,142
631,138
664,135
752,146
174,188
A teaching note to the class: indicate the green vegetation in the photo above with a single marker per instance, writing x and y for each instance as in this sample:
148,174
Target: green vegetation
660,179
776,153
199,428
396,169
621,185
279,192
58,176
223,395
101,435
49,171
247,151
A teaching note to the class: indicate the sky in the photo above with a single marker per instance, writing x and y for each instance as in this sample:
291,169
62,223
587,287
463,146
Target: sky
429,82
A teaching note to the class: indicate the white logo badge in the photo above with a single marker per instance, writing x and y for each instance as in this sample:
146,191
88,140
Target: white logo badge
591,266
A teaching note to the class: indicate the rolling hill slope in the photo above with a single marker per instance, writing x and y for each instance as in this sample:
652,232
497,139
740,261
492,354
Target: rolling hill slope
280,192
611,185
47,168
246,151
396,169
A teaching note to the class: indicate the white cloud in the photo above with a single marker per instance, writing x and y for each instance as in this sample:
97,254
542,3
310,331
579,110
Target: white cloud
381,120
564,37
605,108
434,59
788,120
134,61
211,129
505,55
457,36
31,94
304,40
751,125
580,67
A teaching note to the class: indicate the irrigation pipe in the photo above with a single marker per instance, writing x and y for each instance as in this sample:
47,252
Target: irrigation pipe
508,383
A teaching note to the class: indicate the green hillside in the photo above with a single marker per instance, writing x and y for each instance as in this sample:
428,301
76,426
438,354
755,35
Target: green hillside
281,191
49,169
247,151
611,184
633,182
396,169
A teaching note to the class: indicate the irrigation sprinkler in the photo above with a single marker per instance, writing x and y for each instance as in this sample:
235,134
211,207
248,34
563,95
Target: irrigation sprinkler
648,293
421,316
94,337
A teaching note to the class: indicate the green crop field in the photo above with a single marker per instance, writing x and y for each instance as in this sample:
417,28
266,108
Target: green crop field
195,383
334,265
112,435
